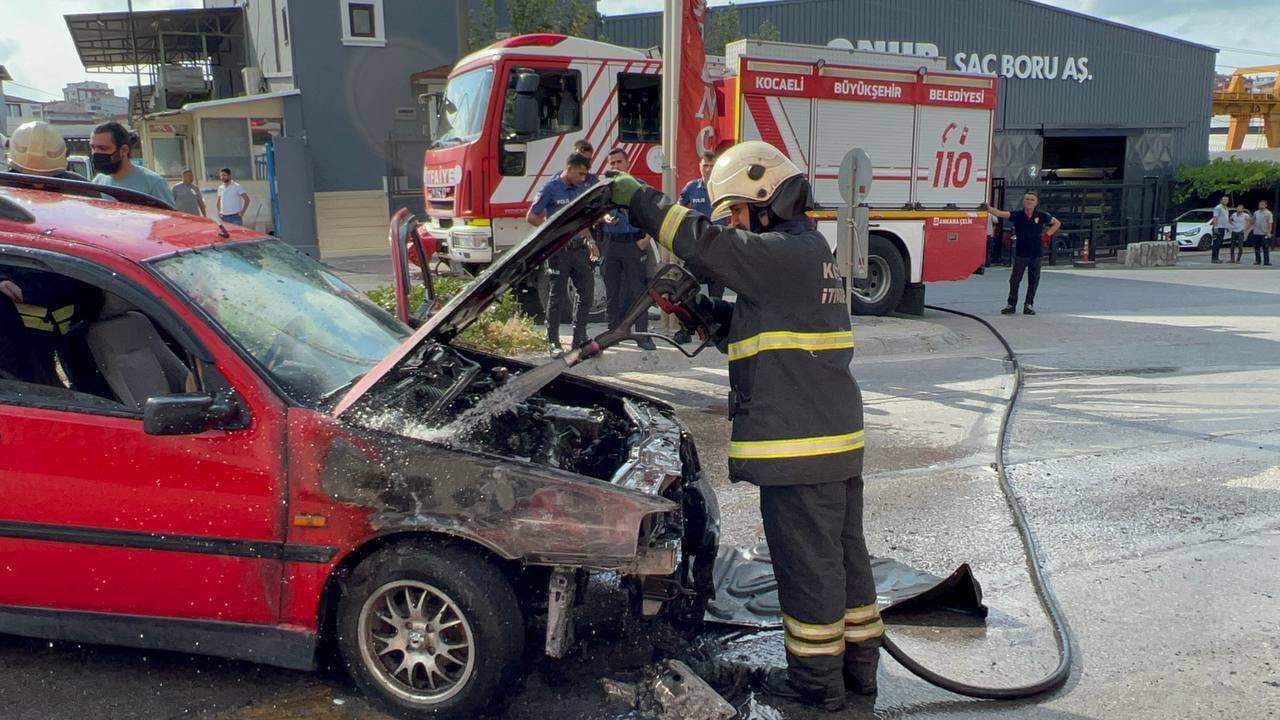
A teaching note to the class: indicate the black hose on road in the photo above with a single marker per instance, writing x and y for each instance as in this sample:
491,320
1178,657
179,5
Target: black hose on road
1035,567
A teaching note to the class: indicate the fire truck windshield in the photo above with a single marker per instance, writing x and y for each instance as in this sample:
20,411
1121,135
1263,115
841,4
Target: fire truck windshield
462,113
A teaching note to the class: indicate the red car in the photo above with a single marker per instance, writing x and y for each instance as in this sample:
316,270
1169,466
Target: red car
210,443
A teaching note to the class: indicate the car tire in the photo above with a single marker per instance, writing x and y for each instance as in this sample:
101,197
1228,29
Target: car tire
886,275
443,611
1205,242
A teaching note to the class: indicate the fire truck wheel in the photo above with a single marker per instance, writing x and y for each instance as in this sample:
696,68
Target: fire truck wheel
430,631
886,277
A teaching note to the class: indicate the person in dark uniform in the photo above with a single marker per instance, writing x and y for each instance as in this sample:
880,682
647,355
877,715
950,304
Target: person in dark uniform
1029,226
573,262
795,406
625,275
694,196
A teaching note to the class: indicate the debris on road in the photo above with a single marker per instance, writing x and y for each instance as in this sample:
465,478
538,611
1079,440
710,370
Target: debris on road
681,695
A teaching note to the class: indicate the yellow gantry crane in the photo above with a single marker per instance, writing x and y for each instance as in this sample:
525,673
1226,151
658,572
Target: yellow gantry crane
1243,106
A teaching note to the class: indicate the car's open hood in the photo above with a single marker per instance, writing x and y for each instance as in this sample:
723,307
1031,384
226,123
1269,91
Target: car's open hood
506,271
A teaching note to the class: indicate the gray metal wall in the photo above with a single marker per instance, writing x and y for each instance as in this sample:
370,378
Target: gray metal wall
349,94
1141,82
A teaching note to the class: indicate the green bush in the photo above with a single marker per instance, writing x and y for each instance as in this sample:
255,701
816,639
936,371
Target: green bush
502,329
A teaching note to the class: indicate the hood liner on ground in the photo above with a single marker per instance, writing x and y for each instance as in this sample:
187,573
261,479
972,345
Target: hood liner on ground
747,593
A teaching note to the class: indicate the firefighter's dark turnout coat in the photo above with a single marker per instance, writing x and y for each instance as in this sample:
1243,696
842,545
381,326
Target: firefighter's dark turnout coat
797,428
796,409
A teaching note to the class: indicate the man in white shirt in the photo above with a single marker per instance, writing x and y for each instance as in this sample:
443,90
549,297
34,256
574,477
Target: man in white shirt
1221,226
233,201
1240,222
1263,226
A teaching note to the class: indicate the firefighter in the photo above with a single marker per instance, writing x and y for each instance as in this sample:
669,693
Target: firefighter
795,406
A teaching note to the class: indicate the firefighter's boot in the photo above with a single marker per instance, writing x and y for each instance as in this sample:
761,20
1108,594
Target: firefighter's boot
778,683
861,660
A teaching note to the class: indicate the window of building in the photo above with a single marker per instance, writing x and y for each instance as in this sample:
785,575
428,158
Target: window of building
559,99
639,108
13,110
284,23
261,132
225,142
169,155
362,23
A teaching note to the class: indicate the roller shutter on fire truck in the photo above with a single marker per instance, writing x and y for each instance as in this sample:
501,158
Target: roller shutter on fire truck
928,134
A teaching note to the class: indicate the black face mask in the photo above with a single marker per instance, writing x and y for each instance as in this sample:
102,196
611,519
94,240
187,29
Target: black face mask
106,163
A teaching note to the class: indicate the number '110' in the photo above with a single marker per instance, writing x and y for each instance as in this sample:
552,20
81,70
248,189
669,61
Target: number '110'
952,169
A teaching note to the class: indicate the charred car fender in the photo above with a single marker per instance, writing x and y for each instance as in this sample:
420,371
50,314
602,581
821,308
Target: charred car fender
516,510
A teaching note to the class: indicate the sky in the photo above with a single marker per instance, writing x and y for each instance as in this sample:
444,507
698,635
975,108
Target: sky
36,48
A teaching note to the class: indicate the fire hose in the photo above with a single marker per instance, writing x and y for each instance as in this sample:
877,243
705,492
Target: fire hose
675,291
1035,568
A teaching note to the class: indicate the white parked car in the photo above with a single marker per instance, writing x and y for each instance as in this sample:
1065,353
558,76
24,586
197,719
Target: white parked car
1195,229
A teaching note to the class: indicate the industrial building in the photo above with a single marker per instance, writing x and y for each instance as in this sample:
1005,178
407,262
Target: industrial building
1095,114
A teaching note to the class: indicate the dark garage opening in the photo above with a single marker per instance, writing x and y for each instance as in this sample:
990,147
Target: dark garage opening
1095,158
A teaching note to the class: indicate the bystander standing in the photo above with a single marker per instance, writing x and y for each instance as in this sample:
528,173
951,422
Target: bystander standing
1262,228
1239,223
233,201
1221,226
112,145
186,195
1029,225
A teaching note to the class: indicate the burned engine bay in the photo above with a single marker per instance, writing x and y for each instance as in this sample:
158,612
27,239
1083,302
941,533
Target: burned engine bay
568,425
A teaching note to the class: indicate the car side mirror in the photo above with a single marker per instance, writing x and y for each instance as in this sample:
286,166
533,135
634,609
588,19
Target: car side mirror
525,120
186,414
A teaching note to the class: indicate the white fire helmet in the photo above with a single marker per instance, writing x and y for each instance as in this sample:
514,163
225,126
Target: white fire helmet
35,147
749,172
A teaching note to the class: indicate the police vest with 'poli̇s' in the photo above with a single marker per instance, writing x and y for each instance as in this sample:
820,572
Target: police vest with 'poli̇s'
795,406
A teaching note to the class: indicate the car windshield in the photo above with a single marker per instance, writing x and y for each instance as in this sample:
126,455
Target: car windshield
312,332
466,98
1196,216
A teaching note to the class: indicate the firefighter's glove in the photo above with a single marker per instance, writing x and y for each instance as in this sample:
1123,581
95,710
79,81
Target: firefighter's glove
624,188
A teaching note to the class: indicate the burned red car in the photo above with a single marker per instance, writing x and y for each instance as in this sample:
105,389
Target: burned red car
212,444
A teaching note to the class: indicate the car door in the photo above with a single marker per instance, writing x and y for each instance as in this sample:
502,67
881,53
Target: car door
97,516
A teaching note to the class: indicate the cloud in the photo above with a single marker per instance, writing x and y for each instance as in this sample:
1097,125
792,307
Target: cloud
38,52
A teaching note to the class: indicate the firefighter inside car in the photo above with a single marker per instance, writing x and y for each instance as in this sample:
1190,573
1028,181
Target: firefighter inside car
795,406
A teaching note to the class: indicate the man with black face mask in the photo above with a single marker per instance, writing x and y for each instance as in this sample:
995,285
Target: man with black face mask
112,144
795,406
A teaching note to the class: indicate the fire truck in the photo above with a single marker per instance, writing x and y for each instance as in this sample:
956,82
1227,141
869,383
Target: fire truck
927,131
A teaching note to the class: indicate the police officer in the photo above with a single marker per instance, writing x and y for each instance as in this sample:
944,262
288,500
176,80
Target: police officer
795,406
624,269
573,262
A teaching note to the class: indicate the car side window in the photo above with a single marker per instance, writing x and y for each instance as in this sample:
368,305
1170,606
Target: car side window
68,344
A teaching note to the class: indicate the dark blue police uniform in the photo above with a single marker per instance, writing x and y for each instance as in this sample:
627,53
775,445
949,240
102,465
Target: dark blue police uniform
695,197
1028,251
572,262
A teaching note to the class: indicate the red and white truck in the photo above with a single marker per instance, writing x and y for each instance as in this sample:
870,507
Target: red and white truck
926,129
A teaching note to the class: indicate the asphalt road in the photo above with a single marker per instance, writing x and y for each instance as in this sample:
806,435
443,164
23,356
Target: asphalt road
1145,449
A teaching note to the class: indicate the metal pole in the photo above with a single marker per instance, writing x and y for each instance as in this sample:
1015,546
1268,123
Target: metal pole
671,18
137,68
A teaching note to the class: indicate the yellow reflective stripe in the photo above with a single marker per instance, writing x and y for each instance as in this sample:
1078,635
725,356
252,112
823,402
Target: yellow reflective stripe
799,447
801,648
38,317
862,633
783,340
810,631
670,224
861,615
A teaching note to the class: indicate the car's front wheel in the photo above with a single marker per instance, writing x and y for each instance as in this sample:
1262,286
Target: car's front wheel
1205,241
430,631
